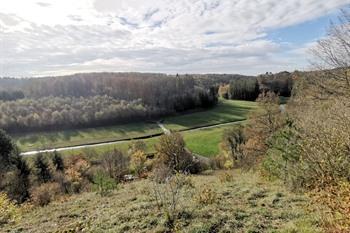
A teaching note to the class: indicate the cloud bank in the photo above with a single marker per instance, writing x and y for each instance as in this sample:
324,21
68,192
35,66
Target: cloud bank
186,36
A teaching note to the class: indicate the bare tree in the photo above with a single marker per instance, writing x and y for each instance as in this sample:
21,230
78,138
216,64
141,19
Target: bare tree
332,55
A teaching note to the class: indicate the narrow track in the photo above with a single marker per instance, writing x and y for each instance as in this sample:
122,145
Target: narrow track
165,130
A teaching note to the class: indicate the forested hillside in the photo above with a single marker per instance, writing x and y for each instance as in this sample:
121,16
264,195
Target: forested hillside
99,99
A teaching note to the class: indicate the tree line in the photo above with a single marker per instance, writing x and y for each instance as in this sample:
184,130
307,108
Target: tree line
249,88
53,103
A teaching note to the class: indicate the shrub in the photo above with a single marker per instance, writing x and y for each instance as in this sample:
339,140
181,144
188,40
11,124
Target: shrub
171,152
205,196
9,212
136,146
226,177
168,195
77,173
223,161
337,200
103,183
283,156
115,163
138,161
262,125
42,195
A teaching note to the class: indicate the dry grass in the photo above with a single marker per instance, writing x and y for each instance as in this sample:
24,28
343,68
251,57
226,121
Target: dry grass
243,204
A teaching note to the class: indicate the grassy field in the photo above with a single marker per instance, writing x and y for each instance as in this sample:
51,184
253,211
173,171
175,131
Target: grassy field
244,204
36,141
226,111
204,142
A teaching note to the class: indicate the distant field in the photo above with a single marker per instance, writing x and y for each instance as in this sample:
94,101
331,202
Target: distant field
203,142
226,111
35,141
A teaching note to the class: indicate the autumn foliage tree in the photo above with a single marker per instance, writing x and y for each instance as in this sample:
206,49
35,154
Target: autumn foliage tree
261,126
171,151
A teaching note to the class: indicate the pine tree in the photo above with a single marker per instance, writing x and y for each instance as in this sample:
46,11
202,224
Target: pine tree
58,161
42,170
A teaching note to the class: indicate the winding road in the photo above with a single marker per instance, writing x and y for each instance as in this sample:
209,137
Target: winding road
165,131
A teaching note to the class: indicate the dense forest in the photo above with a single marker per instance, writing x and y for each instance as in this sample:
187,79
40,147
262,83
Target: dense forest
98,99
249,88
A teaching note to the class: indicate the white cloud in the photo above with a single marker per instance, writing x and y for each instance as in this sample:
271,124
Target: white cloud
49,37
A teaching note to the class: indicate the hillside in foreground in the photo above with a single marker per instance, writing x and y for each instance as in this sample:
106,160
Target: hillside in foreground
238,202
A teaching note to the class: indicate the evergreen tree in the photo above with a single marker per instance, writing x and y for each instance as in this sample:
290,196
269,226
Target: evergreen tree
19,183
42,170
58,161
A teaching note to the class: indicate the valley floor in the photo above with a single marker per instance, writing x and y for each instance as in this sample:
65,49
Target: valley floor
225,111
246,203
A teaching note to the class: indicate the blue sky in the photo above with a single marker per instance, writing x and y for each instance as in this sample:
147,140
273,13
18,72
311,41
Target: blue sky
303,32
57,37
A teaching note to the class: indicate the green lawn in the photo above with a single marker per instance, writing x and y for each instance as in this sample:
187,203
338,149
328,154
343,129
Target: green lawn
225,111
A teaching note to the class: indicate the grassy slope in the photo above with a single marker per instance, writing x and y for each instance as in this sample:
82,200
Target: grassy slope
246,204
226,111
36,141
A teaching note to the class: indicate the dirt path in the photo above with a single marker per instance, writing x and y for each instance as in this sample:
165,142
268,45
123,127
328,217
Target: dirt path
165,130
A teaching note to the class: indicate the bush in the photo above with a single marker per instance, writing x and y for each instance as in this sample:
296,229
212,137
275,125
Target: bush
138,161
103,183
77,173
169,195
9,212
116,164
171,152
136,146
232,143
42,195
226,177
223,161
205,196
337,200
262,125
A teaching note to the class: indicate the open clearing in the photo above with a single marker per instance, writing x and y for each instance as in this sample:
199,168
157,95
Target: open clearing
204,142
39,141
226,111
244,204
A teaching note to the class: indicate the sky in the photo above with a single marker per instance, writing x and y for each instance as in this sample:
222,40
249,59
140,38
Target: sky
59,37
